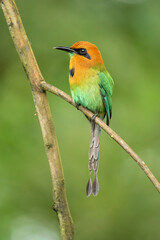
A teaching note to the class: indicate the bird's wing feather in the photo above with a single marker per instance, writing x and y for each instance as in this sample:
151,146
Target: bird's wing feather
106,84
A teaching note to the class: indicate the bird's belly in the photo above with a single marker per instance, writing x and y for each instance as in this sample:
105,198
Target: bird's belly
89,97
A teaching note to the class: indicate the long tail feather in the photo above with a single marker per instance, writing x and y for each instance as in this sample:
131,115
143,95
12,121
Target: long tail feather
97,131
93,158
89,188
91,147
95,186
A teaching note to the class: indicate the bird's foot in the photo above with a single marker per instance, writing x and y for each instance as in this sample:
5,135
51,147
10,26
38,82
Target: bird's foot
77,106
94,116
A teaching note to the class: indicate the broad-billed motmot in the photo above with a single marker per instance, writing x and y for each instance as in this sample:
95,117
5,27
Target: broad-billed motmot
91,86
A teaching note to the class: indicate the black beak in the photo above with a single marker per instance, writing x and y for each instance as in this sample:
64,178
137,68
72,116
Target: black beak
67,49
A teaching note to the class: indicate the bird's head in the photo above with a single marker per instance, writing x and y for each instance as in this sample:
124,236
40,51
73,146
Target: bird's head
84,54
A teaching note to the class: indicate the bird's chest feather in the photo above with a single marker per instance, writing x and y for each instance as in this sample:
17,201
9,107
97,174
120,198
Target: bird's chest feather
85,90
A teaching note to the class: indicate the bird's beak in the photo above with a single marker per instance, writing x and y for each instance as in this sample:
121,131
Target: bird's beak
67,49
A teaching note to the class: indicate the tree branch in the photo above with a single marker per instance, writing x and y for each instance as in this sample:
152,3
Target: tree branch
34,75
39,86
107,129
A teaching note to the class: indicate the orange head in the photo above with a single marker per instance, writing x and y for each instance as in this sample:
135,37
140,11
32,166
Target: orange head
83,56
85,53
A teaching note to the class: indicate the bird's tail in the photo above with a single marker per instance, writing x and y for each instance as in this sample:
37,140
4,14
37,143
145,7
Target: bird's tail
93,159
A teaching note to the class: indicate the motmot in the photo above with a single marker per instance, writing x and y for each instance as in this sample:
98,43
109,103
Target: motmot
91,86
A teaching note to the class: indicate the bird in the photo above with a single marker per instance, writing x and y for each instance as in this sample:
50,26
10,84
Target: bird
91,86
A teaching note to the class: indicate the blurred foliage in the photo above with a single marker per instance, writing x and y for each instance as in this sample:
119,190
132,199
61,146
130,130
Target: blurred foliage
127,33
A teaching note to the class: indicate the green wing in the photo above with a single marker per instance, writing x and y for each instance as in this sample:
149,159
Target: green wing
106,85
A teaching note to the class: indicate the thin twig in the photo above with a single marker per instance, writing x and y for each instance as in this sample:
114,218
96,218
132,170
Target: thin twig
108,130
44,114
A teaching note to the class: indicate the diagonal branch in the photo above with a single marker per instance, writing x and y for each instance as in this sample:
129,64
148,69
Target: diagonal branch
34,75
107,129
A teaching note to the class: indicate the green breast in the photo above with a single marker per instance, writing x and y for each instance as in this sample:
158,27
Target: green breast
88,95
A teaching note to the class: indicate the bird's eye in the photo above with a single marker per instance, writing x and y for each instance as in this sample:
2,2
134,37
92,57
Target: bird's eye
82,51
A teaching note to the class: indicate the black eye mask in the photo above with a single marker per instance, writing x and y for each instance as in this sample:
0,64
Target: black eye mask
82,52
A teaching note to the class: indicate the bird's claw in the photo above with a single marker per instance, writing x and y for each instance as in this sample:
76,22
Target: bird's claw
77,106
94,116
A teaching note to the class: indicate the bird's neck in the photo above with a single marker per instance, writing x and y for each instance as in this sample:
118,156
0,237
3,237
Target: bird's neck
80,71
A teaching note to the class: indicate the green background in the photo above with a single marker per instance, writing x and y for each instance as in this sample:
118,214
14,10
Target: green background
128,206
